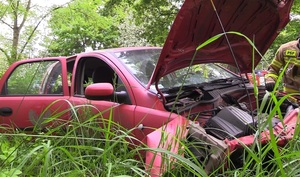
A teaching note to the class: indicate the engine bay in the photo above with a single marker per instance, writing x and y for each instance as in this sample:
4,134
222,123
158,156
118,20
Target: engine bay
225,111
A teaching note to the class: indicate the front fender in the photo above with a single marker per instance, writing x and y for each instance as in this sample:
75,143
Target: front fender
167,137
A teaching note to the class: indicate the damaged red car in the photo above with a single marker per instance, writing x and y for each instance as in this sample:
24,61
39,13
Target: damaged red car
181,87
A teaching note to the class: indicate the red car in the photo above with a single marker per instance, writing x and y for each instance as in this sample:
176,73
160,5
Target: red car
178,89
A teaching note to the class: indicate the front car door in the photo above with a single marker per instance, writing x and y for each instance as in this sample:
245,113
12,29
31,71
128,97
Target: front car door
98,69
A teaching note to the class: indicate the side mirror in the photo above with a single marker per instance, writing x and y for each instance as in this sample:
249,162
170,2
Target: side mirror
105,91
99,91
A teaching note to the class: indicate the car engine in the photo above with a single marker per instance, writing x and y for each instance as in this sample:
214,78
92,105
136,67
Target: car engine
224,111
220,113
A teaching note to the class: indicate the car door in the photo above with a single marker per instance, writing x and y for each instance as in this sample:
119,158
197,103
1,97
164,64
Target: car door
34,92
97,69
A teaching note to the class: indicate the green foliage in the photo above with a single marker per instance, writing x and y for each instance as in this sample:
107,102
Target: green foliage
130,32
3,65
96,24
156,16
81,25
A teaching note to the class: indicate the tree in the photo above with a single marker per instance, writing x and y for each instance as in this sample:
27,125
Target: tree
130,34
151,19
14,17
154,16
80,26
157,17
19,20
83,24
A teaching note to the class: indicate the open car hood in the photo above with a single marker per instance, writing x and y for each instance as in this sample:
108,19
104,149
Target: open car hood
199,20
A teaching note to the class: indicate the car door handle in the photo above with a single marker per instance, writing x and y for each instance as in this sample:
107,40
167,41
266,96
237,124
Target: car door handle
5,111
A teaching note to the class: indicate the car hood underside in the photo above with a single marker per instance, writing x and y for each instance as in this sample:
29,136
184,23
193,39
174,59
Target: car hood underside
199,20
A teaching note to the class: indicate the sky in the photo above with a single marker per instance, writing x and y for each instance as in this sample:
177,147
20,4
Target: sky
48,3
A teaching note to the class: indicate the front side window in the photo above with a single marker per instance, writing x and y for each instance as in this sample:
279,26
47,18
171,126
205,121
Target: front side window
35,78
92,70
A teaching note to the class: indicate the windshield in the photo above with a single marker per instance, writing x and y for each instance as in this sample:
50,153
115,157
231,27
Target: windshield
141,64
197,74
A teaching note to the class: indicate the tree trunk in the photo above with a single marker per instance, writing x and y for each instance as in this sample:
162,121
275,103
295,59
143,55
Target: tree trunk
14,55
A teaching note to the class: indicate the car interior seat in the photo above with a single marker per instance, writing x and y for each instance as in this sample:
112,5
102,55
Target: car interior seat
103,75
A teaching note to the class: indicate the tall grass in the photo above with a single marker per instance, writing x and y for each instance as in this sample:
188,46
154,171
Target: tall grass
83,148
80,147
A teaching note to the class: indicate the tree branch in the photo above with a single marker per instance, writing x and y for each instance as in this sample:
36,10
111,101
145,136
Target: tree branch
5,53
6,24
25,14
35,28
2,15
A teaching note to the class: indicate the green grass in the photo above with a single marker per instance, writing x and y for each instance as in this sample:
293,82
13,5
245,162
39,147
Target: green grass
83,148
79,148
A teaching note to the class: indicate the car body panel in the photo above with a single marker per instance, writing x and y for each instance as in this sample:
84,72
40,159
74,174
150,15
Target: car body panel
31,112
170,134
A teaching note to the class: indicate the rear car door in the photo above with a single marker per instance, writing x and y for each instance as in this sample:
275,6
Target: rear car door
35,91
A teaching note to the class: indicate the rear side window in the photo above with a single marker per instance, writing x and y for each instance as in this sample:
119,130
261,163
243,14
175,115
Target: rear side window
35,78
